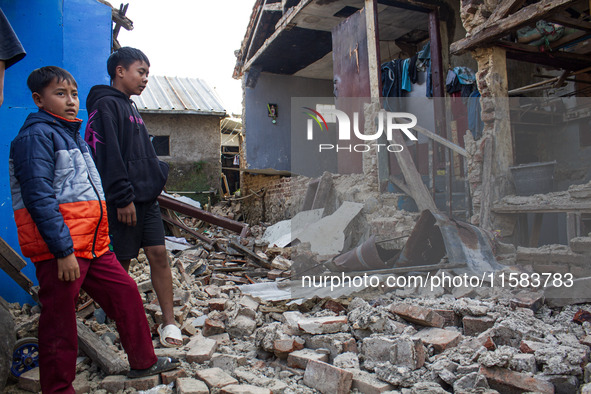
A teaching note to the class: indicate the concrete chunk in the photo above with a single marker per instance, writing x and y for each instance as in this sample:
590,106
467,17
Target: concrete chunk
322,325
418,315
227,362
408,352
327,379
474,326
368,383
113,383
145,383
30,381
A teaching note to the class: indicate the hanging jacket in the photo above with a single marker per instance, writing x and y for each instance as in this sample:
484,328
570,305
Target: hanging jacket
57,197
123,152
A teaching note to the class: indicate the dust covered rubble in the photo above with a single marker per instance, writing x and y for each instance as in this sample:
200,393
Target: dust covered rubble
396,341
408,340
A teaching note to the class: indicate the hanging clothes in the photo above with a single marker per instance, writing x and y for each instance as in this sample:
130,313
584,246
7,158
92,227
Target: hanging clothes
424,57
405,78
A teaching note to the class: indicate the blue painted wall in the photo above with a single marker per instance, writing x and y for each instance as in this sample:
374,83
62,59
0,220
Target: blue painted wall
73,34
268,145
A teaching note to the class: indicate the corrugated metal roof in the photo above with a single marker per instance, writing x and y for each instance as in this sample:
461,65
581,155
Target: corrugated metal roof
179,95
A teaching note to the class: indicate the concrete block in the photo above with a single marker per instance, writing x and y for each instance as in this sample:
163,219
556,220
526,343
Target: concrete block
408,352
113,383
377,348
440,339
215,378
172,376
144,383
29,381
200,349
249,302
242,326
580,244
474,326
327,379
346,361
300,358
227,362
191,386
418,315
505,381
244,389
368,383
337,343
523,363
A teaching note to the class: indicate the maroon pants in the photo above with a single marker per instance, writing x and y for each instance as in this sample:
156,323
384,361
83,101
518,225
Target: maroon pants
105,280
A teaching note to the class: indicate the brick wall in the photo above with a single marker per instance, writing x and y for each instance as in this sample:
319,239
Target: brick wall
272,198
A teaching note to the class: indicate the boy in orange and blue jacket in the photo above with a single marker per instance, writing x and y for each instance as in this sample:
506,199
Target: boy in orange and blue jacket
60,212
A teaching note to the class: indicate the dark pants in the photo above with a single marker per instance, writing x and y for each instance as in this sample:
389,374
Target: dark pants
106,282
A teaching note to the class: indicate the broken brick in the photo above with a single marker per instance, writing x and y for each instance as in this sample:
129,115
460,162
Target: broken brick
527,346
327,379
367,383
213,327
282,347
171,376
113,383
334,306
418,315
439,338
201,349
215,377
474,326
322,325
191,386
505,380
300,358
217,304
144,383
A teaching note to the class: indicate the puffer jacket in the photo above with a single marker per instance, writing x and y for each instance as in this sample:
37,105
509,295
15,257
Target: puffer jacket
57,196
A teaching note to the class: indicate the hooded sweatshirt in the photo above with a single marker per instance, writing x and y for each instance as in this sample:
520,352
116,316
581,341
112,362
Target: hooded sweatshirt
59,205
124,155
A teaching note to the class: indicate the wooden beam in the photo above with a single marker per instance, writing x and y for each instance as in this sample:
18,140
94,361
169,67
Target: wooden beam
11,256
558,59
448,144
258,260
506,8
90,343
567,21
526,16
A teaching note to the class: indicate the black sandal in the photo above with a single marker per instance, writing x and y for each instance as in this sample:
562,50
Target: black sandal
162,365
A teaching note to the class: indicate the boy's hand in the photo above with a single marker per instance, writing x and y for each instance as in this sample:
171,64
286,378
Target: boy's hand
67,268
127,215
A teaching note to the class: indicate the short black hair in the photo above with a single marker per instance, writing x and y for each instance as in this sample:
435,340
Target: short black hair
41,77
125,57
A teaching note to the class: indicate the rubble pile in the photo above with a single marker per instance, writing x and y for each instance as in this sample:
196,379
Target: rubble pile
246,330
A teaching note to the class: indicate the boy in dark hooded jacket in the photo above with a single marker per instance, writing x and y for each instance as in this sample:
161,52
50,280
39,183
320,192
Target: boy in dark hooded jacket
132,175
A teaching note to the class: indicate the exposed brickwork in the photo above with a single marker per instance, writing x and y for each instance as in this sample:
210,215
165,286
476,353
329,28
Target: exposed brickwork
277,197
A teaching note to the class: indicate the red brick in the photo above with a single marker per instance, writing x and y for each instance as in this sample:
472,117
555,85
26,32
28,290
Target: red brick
191,386
172,376
418,315
216,377
327,379
528,299
282,347
368,383
505,380
450,318
244,389
474,326
113,383
201,349
300,358
213,327
144,383
440,339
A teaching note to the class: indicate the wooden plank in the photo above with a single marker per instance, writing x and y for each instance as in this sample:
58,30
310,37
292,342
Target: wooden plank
448,144
571,227
504,9
535,231
567,21
258,260
90,343
12,258
173,221
526,16
542,208
557,59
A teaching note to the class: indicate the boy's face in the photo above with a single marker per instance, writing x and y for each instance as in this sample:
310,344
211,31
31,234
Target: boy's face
133,80
59,98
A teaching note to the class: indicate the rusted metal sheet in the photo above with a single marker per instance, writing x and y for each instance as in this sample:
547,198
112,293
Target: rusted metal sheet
435,236
186,209
367,256
350,59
